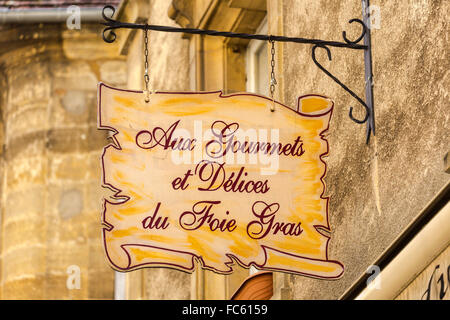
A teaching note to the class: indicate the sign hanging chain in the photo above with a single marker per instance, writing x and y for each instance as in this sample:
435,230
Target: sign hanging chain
273,81
110,36
146,76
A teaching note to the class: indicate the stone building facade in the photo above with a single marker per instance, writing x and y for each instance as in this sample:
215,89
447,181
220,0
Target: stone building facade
49,163
50,169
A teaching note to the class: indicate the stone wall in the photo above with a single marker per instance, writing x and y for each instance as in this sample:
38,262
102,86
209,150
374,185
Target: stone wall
50,190
49,163
377,189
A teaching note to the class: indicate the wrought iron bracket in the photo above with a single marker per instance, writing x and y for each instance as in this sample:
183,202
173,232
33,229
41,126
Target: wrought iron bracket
369,115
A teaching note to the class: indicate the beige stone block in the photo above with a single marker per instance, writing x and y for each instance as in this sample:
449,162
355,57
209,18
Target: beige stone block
70,75
71,108
56,288
63,275
25,171
76,139
32,144
21,233
62,140
157,287
27,121
101,284
113,72
65,196
15,208
28,85
73,229
75,102
23,261
65,253
95,163
97,258
94,198
71,203
71,166
95,228
65,68
30,288
87,44
86,81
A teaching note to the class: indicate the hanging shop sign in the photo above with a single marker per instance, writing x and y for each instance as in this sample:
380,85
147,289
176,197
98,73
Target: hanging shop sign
218,179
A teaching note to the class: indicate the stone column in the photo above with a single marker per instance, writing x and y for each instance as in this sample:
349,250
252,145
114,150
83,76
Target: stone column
51,193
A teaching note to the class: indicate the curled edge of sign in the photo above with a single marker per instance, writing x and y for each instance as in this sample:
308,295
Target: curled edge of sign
190,257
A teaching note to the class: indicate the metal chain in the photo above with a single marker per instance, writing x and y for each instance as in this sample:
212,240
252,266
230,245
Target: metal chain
146,76
273,81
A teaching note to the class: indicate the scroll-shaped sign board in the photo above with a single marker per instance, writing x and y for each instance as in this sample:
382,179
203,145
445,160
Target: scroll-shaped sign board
217,178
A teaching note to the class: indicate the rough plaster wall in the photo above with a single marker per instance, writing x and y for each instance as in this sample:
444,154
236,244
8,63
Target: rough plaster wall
169,52
375,190
51,182
169,71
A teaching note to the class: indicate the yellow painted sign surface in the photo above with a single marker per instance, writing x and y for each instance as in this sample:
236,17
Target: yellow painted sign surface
215,178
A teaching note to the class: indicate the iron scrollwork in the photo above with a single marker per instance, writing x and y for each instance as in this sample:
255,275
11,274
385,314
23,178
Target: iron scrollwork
112,24
354,95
